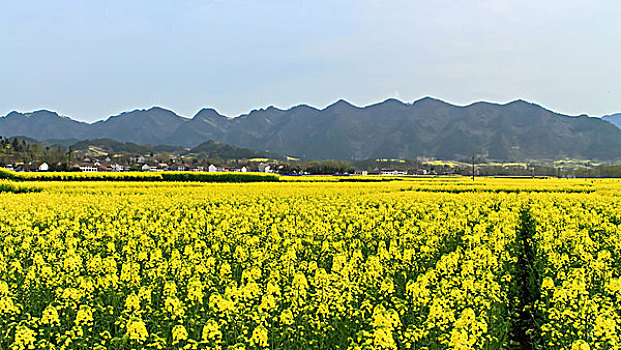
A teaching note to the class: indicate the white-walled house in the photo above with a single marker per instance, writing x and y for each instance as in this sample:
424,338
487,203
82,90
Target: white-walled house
243,169
146,167
117,167
139,159
212,168
264,168
393,172
44,167
88,169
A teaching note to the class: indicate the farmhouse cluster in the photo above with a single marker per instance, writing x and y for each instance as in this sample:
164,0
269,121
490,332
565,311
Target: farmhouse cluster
140,163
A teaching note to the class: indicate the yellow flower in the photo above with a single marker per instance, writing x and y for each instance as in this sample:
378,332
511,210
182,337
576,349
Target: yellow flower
221,304
547,283
580,345
179,334
300,284
130,273
387,287
4,289
267,302
7,306
132,303
383,318
467,331
24,338
137,330
383,339
259,337
211,331
50,316
286,317
175,307
84,316
272,288
225,271
195,290
170,289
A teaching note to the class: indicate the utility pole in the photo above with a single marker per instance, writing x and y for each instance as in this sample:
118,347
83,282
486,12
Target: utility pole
473,167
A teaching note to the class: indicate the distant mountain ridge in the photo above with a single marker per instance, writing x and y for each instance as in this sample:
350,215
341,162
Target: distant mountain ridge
614,119
42,123
428,127
140,126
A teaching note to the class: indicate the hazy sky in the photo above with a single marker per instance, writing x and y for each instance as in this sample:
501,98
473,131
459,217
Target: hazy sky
92,59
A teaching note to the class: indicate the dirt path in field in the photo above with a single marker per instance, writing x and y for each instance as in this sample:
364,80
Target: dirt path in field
525,328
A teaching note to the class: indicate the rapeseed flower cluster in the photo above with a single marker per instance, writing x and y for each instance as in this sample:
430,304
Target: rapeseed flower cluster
411,264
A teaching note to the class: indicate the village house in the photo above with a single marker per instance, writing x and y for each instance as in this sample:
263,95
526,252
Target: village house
177,167
139,159
44,167
392,172
104,167
241,170
264,168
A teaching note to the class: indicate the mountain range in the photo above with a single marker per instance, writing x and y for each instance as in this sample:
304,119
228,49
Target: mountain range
428,127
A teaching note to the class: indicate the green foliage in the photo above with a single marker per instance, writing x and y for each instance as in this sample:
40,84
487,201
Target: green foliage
138,176
213,149
9,186
329,167
219,177
7,174
369,178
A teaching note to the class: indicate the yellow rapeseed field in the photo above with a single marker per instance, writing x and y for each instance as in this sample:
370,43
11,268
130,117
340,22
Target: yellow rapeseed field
425,263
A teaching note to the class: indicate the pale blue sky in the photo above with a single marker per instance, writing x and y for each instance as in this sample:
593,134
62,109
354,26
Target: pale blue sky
92,59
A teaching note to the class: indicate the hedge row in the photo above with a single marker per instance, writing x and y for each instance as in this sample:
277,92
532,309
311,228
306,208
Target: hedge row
219,177
9,186
138,176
